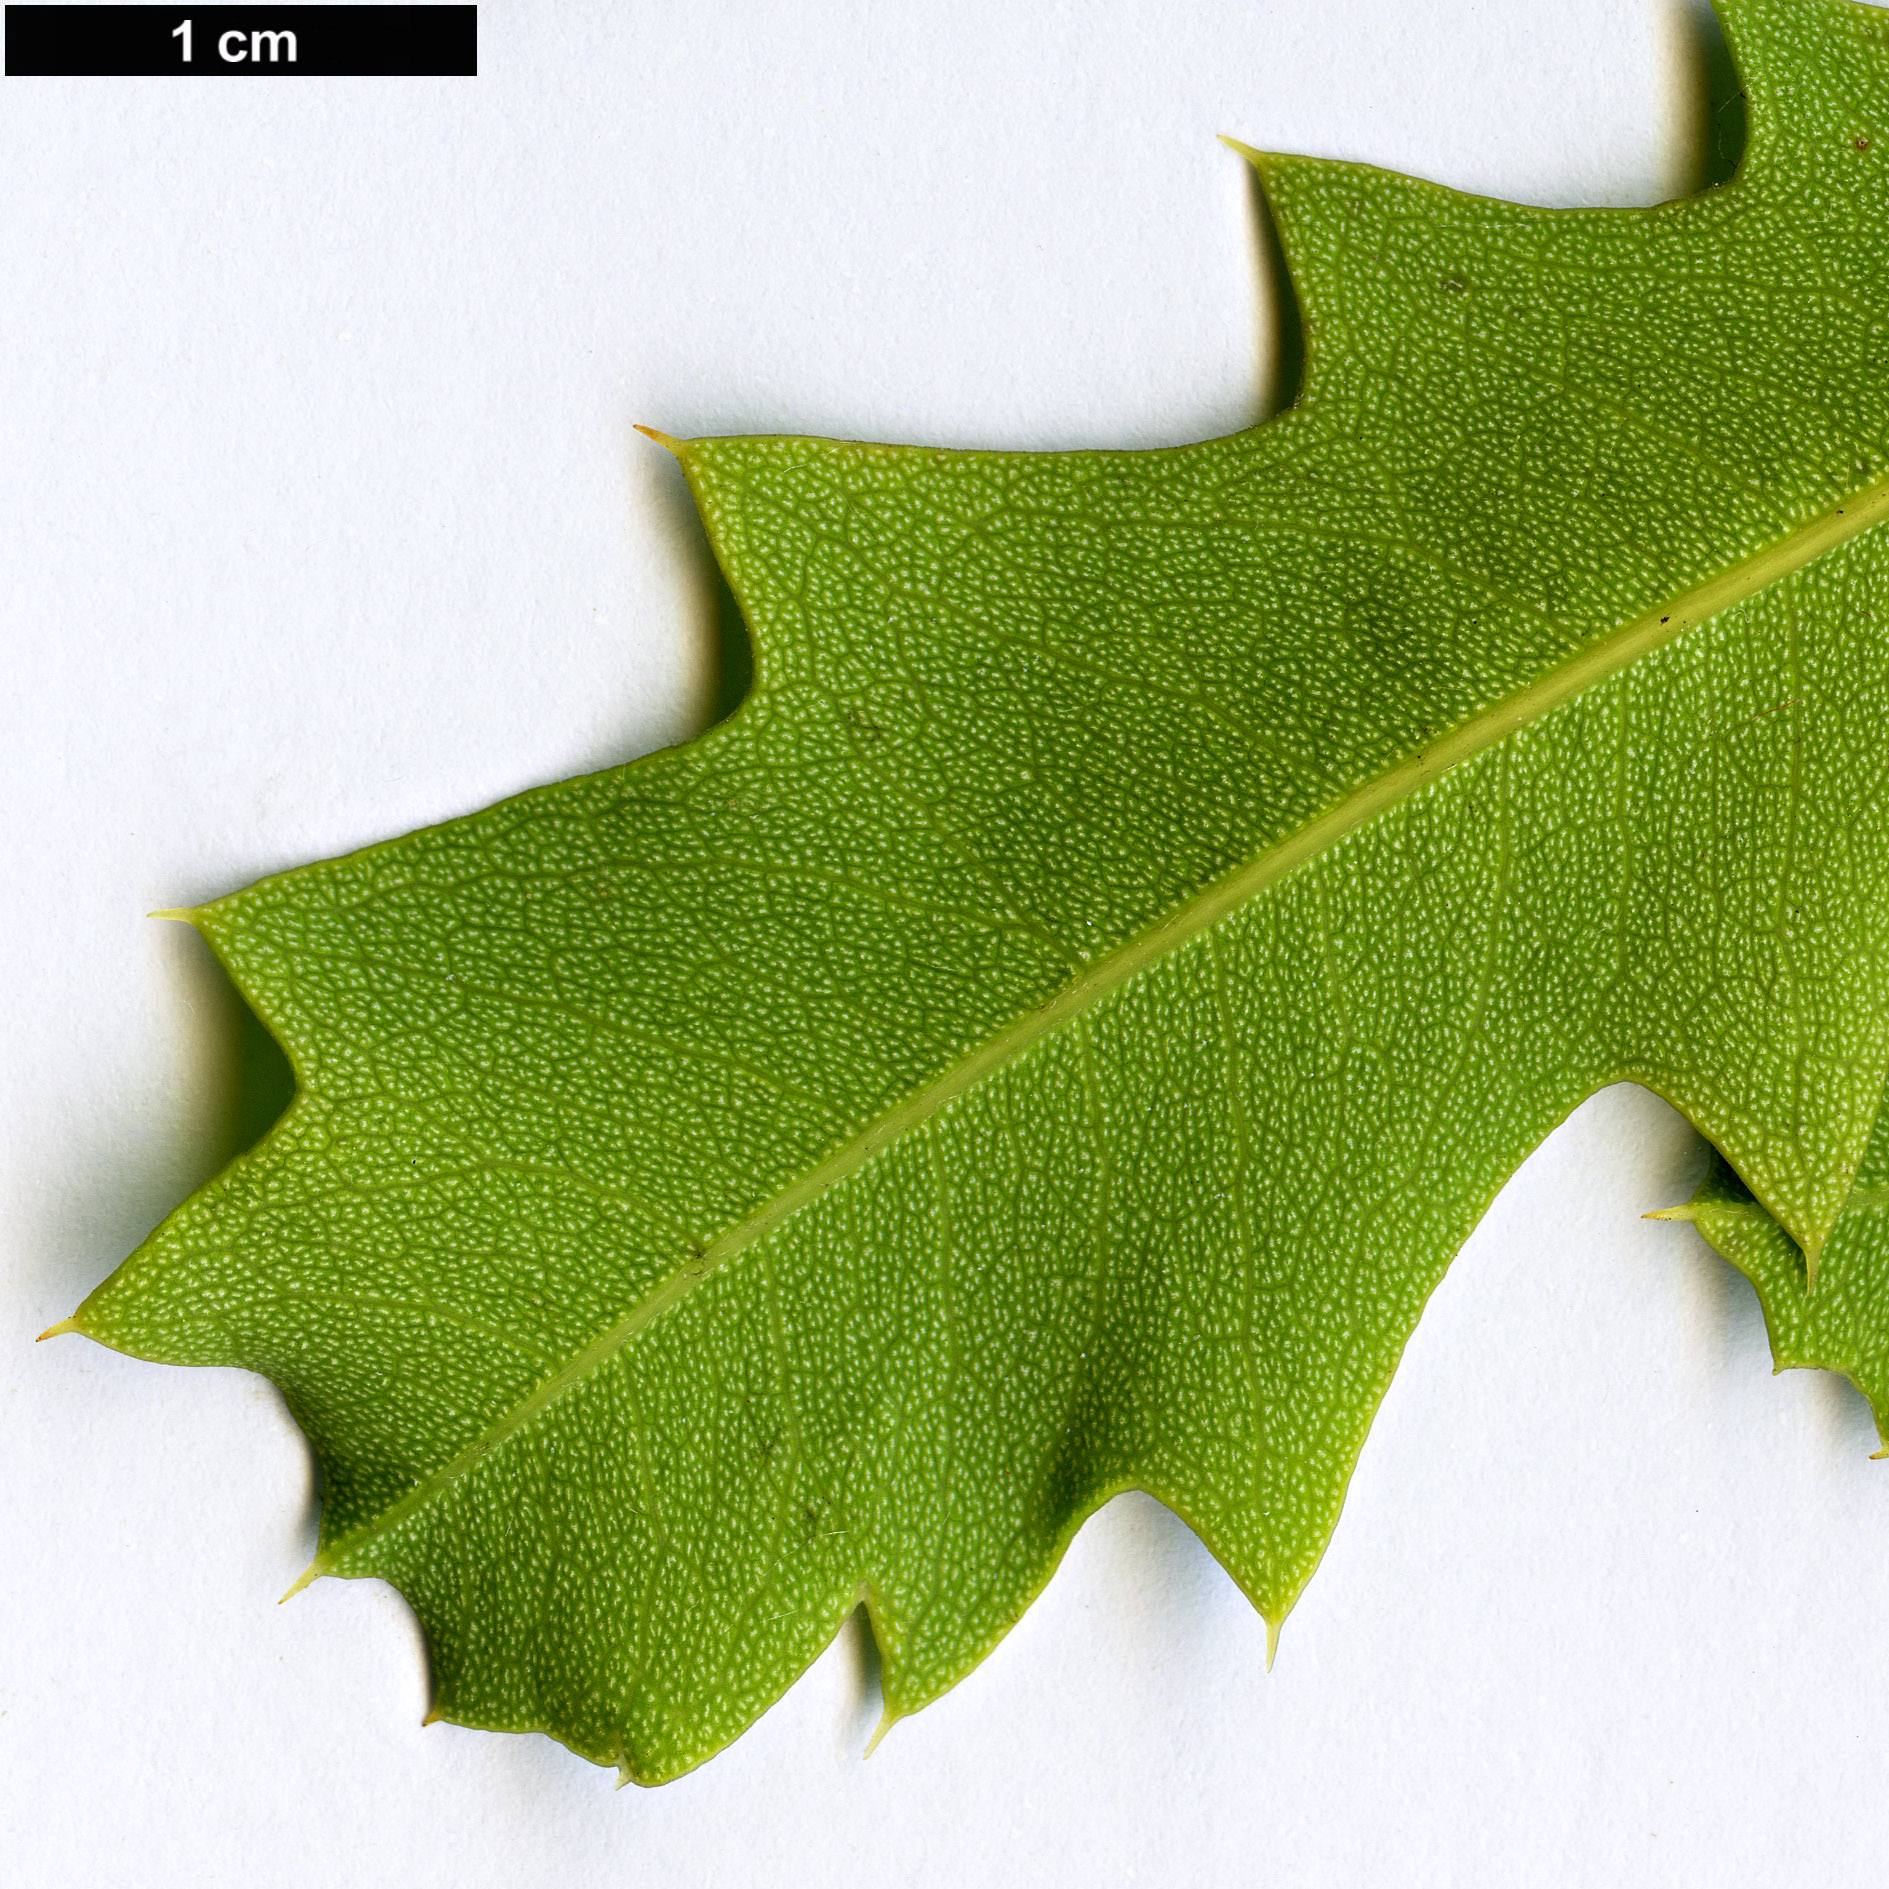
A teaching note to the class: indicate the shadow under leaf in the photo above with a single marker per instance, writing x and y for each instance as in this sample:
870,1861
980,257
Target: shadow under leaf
1718,99
1283,376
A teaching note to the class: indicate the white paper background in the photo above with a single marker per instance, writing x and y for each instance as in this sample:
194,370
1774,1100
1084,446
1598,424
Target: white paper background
321,516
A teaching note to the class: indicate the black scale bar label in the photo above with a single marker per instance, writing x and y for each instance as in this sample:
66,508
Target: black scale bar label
259,42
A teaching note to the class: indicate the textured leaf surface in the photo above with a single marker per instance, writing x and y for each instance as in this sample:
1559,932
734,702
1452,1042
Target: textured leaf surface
1054,1037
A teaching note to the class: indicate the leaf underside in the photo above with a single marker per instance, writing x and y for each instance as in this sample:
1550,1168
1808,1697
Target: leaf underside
1053,1038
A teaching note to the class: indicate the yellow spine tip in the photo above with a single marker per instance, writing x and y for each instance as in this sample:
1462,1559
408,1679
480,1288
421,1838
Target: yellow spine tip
1272,1639
59,1331
434,1716
308,1576
1255,158
887,1719
667,441
184,914
1672,1213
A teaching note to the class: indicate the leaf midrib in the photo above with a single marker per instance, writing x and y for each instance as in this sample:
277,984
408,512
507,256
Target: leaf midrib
1606,656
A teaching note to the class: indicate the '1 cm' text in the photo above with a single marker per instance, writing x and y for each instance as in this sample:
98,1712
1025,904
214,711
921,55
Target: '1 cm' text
235,47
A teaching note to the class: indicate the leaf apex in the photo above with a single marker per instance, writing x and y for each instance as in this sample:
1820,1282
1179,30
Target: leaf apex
1688,1211
184,914
1272,1638
59,1330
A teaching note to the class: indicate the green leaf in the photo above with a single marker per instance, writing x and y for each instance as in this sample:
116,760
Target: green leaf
1840,1324
1053,1037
